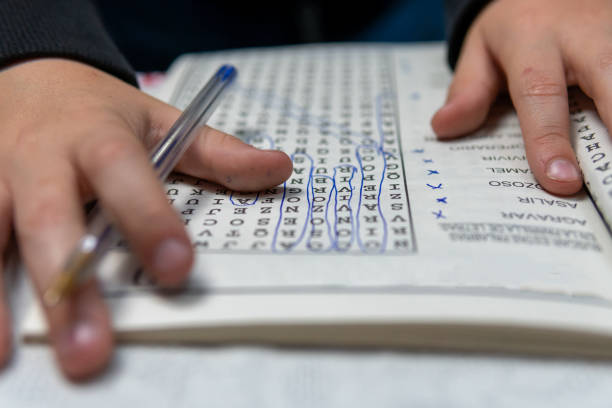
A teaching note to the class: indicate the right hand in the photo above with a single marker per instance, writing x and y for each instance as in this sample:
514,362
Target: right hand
71,133
534,50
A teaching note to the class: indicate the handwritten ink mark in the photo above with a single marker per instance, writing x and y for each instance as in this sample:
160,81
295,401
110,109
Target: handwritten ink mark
438,214
390,155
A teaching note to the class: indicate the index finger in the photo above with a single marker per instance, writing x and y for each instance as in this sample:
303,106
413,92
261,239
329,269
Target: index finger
538,88
223,158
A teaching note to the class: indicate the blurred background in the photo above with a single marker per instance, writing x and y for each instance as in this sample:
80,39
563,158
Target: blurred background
153,33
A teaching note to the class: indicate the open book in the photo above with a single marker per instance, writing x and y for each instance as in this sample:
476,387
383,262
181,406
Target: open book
382,236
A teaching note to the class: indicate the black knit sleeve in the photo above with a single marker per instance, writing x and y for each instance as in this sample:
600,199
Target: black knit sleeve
59,28
459,16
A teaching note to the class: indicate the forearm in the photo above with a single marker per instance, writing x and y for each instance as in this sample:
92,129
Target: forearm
63,28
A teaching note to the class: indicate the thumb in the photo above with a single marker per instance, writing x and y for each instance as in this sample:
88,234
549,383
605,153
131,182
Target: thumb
474,88
220,157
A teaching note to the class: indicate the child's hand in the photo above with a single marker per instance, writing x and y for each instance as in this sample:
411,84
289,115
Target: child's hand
70,133
535,49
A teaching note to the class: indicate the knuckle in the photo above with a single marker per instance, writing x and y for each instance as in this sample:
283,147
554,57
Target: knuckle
211,142
527,19
530,21
27,140
604,61
221,139
537,85
44,212
100,154
548,137
156,132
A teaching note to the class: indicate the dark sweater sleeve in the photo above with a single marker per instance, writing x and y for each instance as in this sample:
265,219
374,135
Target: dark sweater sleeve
459,16
59,28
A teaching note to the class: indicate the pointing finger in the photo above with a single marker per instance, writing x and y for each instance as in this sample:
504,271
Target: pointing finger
225,159
537,85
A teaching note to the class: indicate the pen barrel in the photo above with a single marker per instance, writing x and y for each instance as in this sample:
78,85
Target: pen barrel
101,235
169,150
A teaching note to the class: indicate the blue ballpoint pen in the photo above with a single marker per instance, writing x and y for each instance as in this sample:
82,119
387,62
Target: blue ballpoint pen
101,235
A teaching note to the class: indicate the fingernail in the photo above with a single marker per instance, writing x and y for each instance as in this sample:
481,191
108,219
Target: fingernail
78,336
170,255
562,170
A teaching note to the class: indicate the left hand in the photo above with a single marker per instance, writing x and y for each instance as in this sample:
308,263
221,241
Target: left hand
71,132
535,49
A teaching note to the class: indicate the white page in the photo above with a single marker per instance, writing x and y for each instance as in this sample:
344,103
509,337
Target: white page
593,147
462,218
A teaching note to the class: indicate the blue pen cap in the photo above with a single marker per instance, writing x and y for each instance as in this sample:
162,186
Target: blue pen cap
227,72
